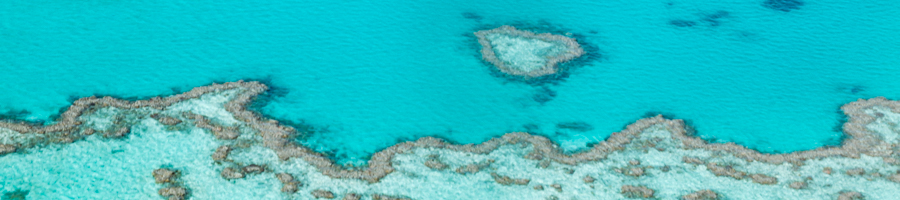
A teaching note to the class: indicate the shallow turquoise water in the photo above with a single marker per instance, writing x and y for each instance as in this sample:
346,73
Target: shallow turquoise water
371,73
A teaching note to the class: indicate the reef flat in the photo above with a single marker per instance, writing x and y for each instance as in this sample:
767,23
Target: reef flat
524,53
205,144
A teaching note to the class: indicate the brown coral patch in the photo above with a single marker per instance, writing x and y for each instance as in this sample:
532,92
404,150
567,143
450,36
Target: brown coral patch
163,175
232,173
798,185
173,193
850,195
506,180
631,191
763,179
5,149
221,153
319,193
701,195
351,196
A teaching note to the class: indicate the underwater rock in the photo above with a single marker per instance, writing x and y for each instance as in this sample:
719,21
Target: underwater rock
783,5
221,153
351,196
588,179
634,171
763,179
284,177
387,197
797,185
631,191
827,170
166,120
855,172
254,169
5,149
701,195
319,193
850,195
575,126
118,133
538,187
173,193
526,54
474,168
692,160
290,188
290,185
558,187
222,133
232,173
506,180
719,170
435,164
15,195
634,162
163,175
894,178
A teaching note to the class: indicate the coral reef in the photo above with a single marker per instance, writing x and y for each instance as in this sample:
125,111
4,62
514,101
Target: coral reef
523,53
629,150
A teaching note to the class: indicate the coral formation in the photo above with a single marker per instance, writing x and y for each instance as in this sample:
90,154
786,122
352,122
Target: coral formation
701,195
163,175
631,191
523,53
172,188
232,173
323,194
850,195
289,184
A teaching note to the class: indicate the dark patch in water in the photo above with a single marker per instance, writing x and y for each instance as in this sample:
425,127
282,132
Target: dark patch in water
839,127
15,115
856,89
16,195
575,126
713,18
532,128
682,23
472,16
666,115
783,5
543,95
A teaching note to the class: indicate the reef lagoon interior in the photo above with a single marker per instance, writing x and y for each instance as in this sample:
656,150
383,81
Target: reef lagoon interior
353,78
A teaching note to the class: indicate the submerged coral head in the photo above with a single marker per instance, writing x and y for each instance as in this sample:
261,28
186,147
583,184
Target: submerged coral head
524,53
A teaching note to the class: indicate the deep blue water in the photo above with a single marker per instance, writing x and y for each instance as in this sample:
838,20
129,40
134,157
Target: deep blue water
368,74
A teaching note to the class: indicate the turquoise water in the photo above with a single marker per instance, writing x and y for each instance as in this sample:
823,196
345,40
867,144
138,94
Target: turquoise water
368,74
